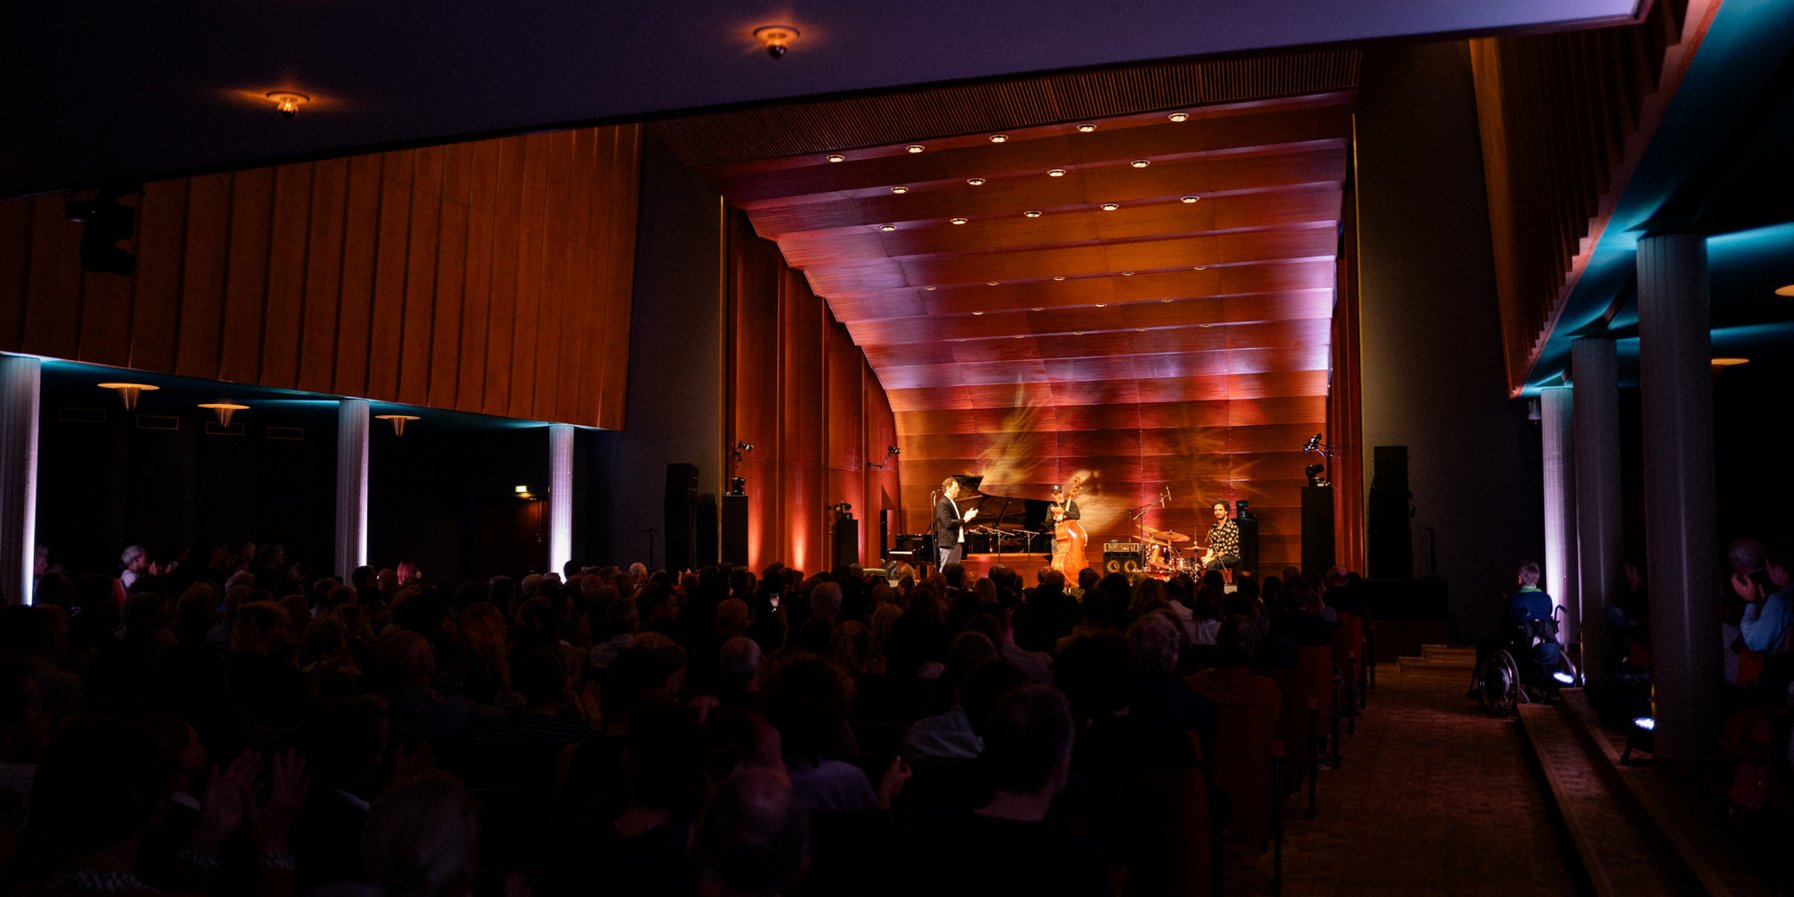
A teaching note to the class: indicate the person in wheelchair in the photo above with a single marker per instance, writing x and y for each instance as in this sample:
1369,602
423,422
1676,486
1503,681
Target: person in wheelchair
1528,636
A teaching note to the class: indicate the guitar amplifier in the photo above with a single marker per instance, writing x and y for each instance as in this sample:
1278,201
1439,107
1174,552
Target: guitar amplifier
1123,557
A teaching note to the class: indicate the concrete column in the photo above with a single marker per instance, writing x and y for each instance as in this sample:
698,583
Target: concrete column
1675,382
1559,462
352,419
21,382
1600,551
560,496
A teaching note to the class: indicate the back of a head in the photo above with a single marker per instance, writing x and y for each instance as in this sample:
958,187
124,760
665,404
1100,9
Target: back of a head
1027,736
343,739
1096,672
955,574
1236,645
540,676
402,655
663,757
968,650
420,837
807,699
825,600
100,782
739,661
1528,573
983,686
753,838
1746,555
1156,638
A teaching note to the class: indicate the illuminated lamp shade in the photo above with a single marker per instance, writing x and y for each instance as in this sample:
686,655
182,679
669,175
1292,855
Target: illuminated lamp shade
777,39
835,157
223,410
1111,206
287,102
899,189
976,182
1140,163
398,421
1032,213
1086,128
959,220
1179,116
1729,362
914,148
999,138
887,228
1055,172
128,392
1189,199
1785,291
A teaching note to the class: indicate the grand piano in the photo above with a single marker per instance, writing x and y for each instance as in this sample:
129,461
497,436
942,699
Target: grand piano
1006,525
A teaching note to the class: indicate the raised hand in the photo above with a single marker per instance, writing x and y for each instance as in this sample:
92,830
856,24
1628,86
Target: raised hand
288,784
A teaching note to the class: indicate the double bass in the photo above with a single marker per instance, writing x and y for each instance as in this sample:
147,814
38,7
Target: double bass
1069,537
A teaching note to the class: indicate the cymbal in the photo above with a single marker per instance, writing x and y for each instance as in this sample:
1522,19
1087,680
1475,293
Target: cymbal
1165,535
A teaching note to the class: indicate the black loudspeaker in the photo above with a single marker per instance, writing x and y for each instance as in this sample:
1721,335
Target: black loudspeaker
884,532
1389,540
735,527
1123,557
681,515
1317,529
1248,525
846,541
704,536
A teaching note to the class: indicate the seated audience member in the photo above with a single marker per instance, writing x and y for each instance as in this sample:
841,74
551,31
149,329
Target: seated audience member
420,841
1161,699
738,673
481,668
642,849
1007,846
419,711
1049,612
948,735
1038,665
808,700
548,715
620,624
344,743
1746,557
1764,626
753,839
1096,672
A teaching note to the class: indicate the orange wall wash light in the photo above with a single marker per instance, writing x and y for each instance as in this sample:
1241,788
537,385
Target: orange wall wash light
128,392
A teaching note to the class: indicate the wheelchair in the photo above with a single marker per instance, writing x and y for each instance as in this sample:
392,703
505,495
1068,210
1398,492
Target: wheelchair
1509,676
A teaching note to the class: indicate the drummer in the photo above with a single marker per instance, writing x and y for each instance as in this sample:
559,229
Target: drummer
1223,541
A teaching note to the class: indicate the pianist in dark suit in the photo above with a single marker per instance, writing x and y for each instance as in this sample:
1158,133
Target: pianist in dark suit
949,523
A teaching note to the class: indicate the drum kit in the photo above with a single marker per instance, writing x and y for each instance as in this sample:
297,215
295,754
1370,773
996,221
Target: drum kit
1164,557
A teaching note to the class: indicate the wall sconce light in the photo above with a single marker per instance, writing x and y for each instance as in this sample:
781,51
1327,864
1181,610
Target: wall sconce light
776,38
128,392
223,410
287,102
398,421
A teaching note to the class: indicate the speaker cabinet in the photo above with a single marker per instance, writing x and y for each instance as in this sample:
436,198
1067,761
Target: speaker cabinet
884,532
1317,529
1248,525
1389,539
1123,557
681,515
704,535
735,530
846,541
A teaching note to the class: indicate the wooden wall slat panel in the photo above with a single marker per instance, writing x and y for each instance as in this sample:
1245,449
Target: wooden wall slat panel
413,342
449,276
197,352
155,315
246,275
287,270
391,267
354,320
324,280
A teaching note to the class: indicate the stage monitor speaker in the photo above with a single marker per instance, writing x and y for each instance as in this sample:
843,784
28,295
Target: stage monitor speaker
1317,529
846,541
735,530
1248,525
681,515
1123,557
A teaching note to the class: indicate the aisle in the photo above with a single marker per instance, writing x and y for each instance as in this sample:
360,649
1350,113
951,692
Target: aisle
1433,797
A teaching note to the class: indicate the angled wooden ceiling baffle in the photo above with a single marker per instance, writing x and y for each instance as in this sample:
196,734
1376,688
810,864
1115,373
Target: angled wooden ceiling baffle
1126,274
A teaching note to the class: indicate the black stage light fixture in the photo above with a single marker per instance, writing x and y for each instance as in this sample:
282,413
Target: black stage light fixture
1314,442
738,485
1315,473
104,222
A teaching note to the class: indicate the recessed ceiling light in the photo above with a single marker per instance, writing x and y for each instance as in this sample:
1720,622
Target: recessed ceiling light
1202,267
1102,305
776,38
1729,362
929,289
1037,308
1032,213
1139,330
977,314
1164,300
913,148
1018,336
1077,333
1179,116
958,220
1127,274
888,228
991,283
1785,291
999,138
1111,206
1058,277
1191,198
1056,173
835,157
899,189
1140,163
287,102
976,182
1086,128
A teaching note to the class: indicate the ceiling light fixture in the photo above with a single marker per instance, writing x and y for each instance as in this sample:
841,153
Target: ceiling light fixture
1729,362
1037,308
899,189
1086,128
1140,163
1056,173
1179,116
977,314
999,138
287,102
398,421
887,228
1102,305
991,283
958,220
1058,277
1785,291
1032,213
776,38
1202,267
976,182
835,157
223,410
1165,300
929,289
127,392
1190,198
1127,274
914,148
1111,206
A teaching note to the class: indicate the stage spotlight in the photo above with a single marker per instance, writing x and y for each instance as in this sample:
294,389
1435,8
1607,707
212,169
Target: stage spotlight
893,450
1317,474
738,485
1314,442
744,446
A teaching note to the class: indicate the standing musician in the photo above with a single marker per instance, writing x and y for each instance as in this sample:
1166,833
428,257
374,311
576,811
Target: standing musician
949,523
1069,537
1223,541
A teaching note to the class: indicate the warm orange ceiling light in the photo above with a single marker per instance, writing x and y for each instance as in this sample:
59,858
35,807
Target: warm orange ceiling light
1032,213
1729,362
887,228
1086,128
1140,163
128,392
1190,198
777,39
999,138
287,102
899,189
223,410
976,182
1056,173
914,148
835,157
959,220
1785,291
1179,116
1111,206
398,421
